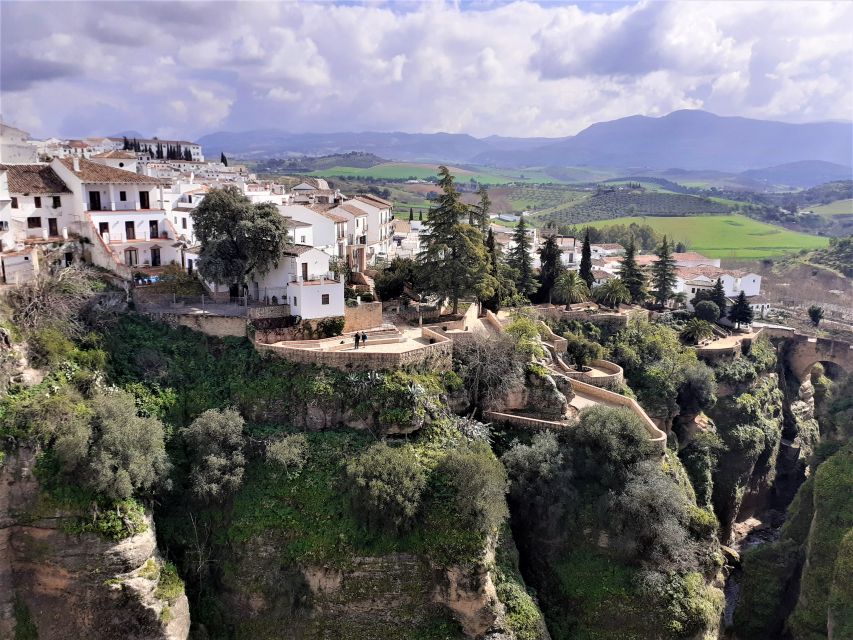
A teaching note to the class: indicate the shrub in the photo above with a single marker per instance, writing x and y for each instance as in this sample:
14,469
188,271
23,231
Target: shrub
707,310
127,454
386,485
524,329
581,350
367,297
489,366
698,388
215,443
170,586
330,327
480,483
289,452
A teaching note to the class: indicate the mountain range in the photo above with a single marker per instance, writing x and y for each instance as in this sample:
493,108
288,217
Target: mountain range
687,139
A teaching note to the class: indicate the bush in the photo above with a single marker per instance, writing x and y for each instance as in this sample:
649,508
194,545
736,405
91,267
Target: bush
707,310
524,329
126,453
289,452
480,483
582,351
169,586
367,297
698,388
215,443
331,327
386,485
489,366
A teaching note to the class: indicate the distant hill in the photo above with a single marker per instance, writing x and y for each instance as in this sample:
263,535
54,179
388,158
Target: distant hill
307,164
803,174
686,140
689,140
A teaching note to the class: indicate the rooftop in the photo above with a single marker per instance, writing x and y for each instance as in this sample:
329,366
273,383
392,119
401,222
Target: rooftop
33,178
116,155
95,172
373,200
297,249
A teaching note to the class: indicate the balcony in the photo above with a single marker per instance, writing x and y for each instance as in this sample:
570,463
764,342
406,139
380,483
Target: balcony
313,278
356,241
129,205
120,238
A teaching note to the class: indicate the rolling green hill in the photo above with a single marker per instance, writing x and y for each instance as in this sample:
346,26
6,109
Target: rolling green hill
728,236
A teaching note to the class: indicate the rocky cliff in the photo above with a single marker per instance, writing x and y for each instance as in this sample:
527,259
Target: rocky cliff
58,585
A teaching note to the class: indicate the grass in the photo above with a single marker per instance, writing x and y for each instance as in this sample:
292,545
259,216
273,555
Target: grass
422,171
728,236
837,208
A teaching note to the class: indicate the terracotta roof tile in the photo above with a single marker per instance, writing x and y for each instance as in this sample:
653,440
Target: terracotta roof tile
116,155
33,178
297,249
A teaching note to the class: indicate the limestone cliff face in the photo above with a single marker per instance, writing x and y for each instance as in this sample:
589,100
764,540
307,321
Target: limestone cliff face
76,586
388,597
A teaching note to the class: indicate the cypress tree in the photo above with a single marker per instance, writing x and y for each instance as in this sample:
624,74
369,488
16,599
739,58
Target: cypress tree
223,159
740,312
550,256
586,261
718,297
663,274
126,144
520,260
631,274
411,214
483,209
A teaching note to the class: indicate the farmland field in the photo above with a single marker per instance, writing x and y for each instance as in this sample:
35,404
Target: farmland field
837,208
729,236
422,171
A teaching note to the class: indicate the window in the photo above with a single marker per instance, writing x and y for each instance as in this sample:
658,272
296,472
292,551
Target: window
14,202
4,225
302,239
144,203
131,257
122,195
294,302
121,164
57,202
183,223
324,299
37,202
34,223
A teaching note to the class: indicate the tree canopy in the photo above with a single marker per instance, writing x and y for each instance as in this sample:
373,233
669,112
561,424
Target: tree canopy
663,274
550,256
631,274
238,238
521,261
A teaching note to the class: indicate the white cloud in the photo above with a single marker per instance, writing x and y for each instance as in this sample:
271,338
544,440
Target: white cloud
510,69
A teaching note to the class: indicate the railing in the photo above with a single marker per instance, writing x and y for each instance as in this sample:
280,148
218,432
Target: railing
298,279
127,205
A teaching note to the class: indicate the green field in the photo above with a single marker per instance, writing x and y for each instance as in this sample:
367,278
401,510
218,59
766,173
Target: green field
731,236
837,208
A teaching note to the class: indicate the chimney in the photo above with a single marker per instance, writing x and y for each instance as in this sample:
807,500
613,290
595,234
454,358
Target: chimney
76,162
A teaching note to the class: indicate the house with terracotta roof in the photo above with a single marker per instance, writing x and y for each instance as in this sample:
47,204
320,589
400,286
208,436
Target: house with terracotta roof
607,249
692,280
328,228
36,211
123,215
378,230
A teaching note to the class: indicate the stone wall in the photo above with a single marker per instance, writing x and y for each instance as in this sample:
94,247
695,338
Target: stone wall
613,321
366,315
613,380
212,325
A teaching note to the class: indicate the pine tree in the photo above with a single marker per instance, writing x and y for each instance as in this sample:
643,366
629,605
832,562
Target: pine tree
586,261
453,260
740,312
663,274
718,297
411,214
126,144
188,155
520,260
223,159
631,274
482,209
550,256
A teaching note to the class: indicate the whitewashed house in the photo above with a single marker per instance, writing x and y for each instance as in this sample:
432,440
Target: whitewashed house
328,229
15,146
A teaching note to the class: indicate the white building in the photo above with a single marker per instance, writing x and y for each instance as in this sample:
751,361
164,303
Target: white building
692,280
329,229
15,146
121,213
606,250
35,207
304,281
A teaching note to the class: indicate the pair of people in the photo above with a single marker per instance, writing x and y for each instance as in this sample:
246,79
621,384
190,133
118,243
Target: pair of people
360,338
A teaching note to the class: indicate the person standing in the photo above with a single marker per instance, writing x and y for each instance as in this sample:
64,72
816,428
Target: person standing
357,338
364,338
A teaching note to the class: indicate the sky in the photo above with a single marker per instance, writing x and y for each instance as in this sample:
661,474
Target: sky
479,67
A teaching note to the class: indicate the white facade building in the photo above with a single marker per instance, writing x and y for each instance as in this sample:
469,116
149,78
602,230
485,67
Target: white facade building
15,146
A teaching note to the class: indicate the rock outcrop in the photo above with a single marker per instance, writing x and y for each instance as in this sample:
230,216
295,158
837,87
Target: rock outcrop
63,585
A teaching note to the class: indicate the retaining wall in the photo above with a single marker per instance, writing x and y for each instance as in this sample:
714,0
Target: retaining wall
366,315
218,326
613,380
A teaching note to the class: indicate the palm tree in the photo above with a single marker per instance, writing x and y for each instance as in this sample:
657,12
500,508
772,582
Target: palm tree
570,288
612,293
696,330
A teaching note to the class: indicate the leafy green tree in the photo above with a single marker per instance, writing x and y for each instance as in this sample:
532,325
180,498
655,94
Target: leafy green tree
289,453
740,312
237,238
697,389
127,454
612,293
521,261
815,314
586,261
632,275
581,350
454,261
386,485
707,310
570,288
392,280
663,274
479,484
215,444
550,256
